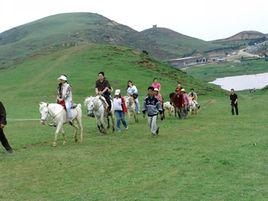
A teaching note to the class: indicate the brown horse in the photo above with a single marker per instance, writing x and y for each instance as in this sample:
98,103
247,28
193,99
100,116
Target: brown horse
177,101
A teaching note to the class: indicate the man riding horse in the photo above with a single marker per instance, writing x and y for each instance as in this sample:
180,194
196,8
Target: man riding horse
104,89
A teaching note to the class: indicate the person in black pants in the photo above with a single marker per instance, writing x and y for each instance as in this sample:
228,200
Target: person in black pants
3,122
103,88
234,105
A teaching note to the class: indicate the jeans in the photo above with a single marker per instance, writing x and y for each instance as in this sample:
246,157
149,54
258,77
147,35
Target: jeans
120,116
137,105
152,124
4,141
234,107
68,105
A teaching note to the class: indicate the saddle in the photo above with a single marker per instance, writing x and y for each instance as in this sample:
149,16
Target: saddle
62,103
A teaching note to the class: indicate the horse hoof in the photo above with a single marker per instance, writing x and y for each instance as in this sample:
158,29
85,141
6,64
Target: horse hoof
64,142
54,144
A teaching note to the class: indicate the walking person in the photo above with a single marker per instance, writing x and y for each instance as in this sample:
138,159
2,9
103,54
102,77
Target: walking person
3,123
152,106
65,96
234,104
185,103
120,110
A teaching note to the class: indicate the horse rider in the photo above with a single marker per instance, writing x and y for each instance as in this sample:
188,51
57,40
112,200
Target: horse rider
64,95
103,88
193,96
133,92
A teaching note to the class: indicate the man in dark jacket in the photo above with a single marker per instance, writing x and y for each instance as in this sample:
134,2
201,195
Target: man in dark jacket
152,106
103,88
233,99
3,122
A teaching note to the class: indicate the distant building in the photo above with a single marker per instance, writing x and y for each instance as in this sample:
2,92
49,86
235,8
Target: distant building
188,61
154,26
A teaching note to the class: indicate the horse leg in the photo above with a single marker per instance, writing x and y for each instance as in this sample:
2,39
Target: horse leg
59,126
75,132
79,123
64,136
112,117
136,117
103,125
108,121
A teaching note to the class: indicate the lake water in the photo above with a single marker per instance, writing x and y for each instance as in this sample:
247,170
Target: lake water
243,82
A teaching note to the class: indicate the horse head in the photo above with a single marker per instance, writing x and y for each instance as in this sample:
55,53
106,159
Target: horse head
89,103
43,109
130,102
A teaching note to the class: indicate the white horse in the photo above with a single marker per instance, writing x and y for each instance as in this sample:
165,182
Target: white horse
95,107
131,107
193,106
169,108
58,114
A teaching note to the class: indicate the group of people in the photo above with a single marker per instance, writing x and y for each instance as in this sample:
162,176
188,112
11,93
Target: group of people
152,104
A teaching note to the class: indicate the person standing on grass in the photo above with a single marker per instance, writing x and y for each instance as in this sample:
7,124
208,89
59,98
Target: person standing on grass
119,109
185,103
234,104
152,106
3,122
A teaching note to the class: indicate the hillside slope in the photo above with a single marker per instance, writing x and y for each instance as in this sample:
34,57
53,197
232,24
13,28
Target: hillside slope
174,44
74,28
199,158
37,76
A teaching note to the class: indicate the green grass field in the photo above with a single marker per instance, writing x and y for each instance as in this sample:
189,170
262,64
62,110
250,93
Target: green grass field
212,71
211,156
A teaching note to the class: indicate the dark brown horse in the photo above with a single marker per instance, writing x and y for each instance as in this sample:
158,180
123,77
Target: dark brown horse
176,99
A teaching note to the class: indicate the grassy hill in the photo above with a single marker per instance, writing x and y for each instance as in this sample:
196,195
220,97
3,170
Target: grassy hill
211,156
239,40
38,74
174,44
74,28
57,31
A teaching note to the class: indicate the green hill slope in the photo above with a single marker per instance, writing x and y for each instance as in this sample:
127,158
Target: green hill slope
200,158
59,30
174,44
36,77
74,28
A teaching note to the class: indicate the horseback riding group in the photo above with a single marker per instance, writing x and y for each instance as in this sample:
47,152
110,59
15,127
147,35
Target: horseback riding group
104,108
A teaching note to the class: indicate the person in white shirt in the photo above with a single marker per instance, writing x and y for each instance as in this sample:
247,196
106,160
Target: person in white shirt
119,109
64,95
133,91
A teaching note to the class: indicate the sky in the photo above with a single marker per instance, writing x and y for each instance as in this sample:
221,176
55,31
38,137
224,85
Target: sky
203,19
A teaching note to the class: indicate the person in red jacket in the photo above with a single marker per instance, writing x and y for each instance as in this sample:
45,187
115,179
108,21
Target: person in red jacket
120,110
3,122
